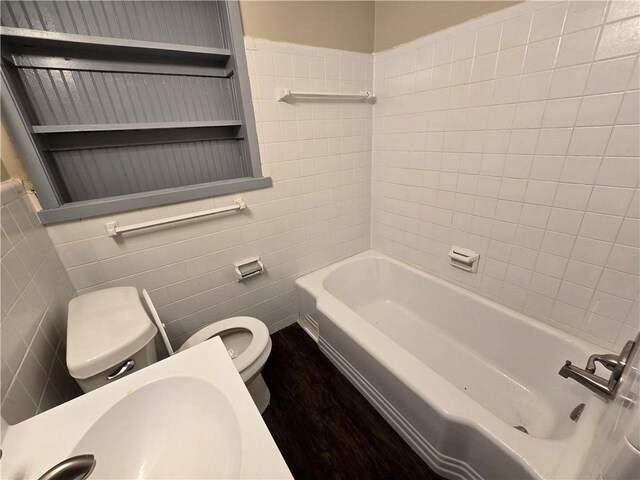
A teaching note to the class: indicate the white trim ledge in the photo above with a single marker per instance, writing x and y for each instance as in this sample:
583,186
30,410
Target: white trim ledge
154,198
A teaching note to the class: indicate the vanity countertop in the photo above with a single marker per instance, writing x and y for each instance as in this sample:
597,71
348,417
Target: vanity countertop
188,416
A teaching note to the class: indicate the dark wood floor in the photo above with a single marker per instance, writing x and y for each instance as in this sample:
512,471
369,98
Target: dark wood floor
322,425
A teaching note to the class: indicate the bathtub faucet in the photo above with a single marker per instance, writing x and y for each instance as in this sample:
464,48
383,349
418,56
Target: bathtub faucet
605,387
608,360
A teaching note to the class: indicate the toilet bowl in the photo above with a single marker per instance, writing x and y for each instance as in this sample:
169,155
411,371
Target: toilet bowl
247,341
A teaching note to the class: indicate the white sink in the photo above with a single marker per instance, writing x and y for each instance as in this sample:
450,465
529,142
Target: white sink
207,418
189,416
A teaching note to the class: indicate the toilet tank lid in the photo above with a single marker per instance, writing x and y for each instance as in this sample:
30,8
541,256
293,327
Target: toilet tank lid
104,328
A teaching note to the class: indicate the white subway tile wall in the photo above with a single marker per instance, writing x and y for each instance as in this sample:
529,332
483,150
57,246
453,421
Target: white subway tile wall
516,135
35,293
318,211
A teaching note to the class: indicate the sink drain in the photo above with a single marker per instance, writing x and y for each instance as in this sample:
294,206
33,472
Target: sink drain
521,428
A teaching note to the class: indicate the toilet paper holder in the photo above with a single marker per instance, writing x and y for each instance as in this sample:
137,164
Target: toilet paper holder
248,268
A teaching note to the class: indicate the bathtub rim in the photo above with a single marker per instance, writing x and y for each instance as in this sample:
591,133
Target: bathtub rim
315,280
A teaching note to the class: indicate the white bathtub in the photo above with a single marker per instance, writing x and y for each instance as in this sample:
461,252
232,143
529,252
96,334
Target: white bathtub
452,372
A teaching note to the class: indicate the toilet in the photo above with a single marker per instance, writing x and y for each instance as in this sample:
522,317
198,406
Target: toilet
247,341
110,335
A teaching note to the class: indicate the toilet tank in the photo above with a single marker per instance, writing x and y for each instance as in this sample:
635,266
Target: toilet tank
109,336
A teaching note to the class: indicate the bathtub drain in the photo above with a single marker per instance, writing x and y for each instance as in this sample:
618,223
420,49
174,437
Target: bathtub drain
576,412
521,428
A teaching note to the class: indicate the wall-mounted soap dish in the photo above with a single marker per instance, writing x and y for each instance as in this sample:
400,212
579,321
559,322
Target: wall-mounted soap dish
464,259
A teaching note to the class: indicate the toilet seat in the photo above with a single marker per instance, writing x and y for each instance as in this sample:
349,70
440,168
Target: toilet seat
258,349
258,330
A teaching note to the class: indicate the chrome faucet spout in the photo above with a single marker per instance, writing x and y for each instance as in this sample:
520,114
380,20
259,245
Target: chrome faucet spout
593,382
74,468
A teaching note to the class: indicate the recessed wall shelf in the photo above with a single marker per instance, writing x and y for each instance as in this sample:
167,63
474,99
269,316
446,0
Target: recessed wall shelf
43,49
45,39
116,127
284,95
112,114
87,136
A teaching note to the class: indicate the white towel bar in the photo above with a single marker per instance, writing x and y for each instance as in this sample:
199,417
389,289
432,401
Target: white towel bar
114,229
285,94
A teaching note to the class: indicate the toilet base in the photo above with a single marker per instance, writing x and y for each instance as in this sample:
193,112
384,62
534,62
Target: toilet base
259,392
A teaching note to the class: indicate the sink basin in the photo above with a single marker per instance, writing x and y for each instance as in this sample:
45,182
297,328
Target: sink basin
167,412
189,416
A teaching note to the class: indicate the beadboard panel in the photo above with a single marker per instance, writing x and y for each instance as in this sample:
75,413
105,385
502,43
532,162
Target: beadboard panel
155,21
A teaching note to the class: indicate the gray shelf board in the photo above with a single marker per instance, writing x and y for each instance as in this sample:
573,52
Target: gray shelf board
119,127
109,205
28,60
124,138
47,40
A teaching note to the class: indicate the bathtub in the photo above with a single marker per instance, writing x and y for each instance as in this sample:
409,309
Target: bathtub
453,373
